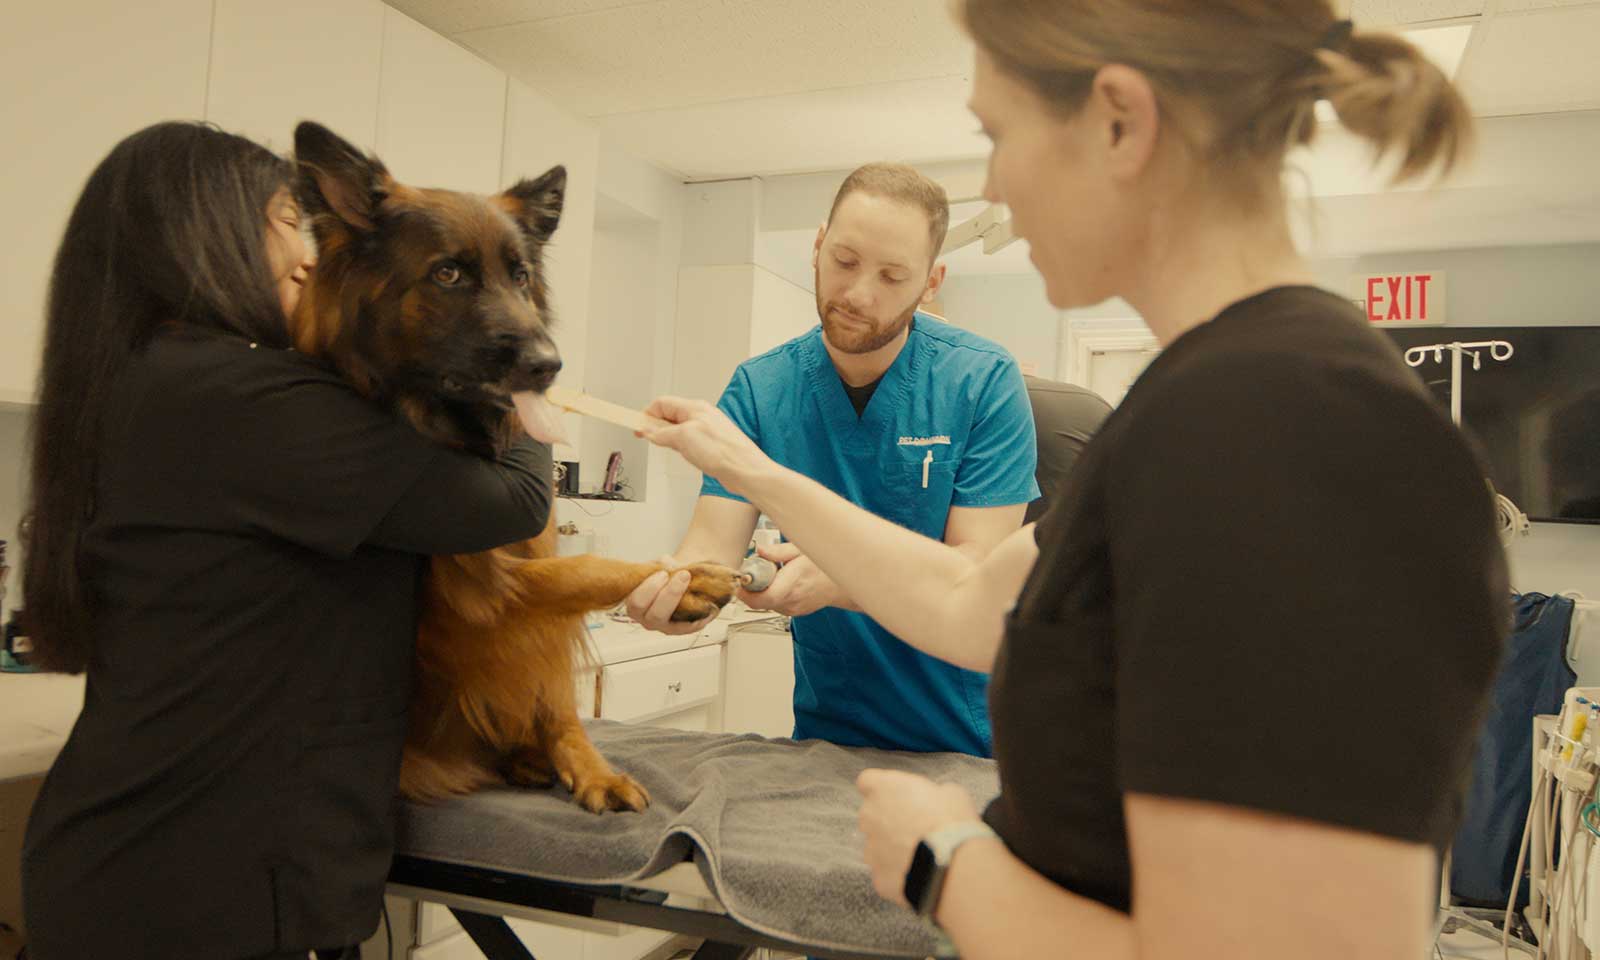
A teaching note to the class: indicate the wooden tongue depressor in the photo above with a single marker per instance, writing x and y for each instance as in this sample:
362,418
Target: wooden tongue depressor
582,403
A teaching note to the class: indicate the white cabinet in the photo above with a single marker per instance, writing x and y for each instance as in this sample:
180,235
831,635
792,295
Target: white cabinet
275,64
758,680
441,110
674,690
78,77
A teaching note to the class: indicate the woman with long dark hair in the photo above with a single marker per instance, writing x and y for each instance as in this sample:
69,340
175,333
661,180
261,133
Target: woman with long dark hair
227,539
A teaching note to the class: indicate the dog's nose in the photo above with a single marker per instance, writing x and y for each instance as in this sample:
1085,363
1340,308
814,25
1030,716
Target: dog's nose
539,367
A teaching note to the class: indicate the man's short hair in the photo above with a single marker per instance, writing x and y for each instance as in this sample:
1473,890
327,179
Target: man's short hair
898,181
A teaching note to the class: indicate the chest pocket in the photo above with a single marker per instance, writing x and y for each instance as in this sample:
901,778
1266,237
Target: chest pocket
918,483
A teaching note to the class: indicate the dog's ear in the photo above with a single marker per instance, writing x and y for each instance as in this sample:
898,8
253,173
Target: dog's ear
336,178
536,204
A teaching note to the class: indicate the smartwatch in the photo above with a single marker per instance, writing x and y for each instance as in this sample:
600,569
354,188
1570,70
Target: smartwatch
925,879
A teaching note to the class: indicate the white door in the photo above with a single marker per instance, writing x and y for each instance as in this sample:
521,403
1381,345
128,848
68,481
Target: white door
1112,371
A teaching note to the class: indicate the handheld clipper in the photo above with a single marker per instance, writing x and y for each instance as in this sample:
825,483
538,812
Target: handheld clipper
757,573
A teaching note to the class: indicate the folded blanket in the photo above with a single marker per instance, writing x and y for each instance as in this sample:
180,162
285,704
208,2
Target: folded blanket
771,824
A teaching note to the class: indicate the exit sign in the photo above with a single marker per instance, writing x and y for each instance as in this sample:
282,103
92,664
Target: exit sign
1410,298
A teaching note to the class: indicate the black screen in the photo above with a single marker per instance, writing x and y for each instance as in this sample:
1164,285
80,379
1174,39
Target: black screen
1536,415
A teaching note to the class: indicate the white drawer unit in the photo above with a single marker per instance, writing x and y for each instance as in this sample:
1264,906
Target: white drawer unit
653,688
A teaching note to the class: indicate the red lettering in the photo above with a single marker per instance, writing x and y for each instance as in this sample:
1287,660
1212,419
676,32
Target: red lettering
1373,299
1394,297
1422,295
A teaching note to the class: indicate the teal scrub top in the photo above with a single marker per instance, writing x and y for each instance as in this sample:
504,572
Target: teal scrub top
949,426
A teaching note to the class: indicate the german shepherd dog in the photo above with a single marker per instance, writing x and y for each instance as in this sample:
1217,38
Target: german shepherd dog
434,302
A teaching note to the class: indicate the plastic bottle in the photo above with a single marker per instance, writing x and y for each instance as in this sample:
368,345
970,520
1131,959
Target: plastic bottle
1577,723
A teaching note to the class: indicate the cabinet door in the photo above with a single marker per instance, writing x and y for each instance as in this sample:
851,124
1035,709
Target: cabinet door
758,690
275,64
656,687
441,110
78,77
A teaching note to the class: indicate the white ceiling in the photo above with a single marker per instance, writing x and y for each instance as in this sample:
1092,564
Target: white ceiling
723,88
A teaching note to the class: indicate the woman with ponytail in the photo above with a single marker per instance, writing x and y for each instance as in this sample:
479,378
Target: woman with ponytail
1239,668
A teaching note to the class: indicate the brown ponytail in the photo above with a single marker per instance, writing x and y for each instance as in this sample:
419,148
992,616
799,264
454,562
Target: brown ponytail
1236,80
1386,91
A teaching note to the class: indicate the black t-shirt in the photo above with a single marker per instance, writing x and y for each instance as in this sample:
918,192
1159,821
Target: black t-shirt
1274,583
862,395
254,557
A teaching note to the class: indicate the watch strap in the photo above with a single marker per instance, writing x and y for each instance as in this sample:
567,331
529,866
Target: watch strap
947,838
943,844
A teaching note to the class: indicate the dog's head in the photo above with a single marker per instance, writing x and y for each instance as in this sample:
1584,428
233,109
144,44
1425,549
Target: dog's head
432,300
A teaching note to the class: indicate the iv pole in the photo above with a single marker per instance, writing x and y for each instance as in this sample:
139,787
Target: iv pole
1417,355
1512,520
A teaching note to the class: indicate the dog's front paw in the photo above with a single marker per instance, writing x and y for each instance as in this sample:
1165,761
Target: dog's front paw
711,586
612,791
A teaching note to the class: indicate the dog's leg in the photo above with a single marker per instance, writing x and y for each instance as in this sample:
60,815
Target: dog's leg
565,746
434,771
576,585
529,767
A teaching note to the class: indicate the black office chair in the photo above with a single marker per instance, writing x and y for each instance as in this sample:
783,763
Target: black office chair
1065,416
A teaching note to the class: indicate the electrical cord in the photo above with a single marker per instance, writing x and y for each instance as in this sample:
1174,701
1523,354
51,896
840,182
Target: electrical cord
1510,521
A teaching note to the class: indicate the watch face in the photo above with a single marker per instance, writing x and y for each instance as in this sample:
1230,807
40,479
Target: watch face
919,876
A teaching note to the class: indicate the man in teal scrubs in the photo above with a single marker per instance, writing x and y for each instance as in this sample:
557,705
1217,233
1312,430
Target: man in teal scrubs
918,421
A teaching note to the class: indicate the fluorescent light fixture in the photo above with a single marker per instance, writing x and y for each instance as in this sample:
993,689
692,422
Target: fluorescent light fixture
1444,45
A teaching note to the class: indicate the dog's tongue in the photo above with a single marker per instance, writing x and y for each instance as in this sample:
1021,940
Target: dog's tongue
540,417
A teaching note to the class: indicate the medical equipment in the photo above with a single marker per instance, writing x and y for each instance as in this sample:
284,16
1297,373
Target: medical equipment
1558,840
1509,518
757,573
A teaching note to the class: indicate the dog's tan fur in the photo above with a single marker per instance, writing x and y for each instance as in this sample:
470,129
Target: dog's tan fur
501,637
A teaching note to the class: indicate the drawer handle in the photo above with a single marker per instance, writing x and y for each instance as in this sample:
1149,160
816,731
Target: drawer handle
676,687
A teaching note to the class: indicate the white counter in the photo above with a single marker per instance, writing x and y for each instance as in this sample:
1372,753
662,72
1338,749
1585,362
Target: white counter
620,642
37,711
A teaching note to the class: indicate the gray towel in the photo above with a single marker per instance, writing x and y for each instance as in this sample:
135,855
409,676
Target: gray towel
774,822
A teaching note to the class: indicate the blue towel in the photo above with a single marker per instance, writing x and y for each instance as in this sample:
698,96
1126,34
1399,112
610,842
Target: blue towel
1533,677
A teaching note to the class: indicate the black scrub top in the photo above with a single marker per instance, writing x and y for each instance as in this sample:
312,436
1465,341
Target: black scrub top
253,563
1274,583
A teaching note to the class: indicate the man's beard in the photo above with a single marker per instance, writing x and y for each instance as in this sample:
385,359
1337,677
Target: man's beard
859,335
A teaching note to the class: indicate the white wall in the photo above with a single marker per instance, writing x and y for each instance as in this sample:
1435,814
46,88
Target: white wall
781,311
654,200
1499,286
435,113
621,315
739,295
13,438
717,306
1013,312
77,81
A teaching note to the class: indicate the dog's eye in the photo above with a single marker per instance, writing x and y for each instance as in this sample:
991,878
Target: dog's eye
522,276
447,274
